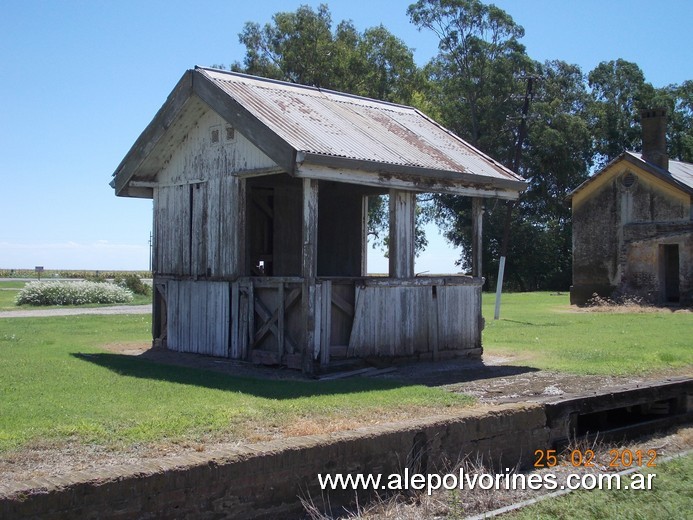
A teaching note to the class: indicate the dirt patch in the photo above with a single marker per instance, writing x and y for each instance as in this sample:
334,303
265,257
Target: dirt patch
622,309
497,380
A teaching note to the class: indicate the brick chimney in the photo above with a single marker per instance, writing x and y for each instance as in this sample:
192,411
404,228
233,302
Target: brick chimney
654,137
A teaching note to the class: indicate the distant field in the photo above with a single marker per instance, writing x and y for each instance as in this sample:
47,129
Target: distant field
61,273
544,331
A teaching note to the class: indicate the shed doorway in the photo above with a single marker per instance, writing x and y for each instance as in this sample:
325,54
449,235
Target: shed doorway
669,256
273,240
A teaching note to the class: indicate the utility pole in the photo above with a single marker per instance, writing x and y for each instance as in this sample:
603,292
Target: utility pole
521,135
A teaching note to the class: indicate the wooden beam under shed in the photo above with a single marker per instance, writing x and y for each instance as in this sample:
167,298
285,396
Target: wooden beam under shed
309,270
402,233
477,234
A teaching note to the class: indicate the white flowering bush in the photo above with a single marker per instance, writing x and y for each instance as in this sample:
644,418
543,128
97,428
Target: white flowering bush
72,293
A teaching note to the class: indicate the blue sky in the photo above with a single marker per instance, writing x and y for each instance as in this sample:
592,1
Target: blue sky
81,79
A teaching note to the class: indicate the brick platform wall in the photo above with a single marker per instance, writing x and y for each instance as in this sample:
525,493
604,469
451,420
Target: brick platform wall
266,480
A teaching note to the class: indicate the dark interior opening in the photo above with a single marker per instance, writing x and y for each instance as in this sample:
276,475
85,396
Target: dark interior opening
627,416
670,262
273,227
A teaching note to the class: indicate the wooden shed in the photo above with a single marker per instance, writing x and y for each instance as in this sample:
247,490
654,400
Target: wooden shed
260,223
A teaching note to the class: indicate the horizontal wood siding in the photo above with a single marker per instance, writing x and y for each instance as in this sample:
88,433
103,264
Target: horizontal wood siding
198,317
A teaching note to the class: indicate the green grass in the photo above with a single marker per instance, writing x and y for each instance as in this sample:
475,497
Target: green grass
543,331
57,385
9,290
672,497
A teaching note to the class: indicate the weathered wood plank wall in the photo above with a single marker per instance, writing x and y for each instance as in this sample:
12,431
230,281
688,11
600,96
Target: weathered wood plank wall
401,319
263,320
200,199
198,317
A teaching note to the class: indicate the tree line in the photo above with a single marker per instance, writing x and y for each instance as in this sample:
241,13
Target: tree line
476,86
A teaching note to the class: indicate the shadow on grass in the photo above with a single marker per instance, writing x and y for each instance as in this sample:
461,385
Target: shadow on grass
130,366
459,370
265,384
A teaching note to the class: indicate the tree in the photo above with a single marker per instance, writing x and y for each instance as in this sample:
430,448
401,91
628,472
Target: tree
476,77
557,159
476,81
619,92
302,47
678,99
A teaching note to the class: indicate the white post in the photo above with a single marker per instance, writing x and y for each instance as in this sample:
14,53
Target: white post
499,287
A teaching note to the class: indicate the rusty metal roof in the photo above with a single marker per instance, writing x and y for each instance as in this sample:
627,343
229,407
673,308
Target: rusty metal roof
317,133
334,124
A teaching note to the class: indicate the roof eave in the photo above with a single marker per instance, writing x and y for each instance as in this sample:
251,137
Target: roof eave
640,163
195,82
658,172
154,131
413,172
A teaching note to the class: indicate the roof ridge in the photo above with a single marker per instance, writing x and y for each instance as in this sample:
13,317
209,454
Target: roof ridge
301,86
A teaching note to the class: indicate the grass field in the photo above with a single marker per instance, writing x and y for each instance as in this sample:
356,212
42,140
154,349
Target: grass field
58,384
543,331
672,497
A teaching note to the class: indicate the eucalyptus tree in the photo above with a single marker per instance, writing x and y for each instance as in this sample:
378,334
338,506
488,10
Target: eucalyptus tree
619,91
303,47
477,76
678,100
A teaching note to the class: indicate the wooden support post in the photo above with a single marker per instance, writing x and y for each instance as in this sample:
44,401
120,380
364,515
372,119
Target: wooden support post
364,236
402,233
280,321
477,217
326,329
309,270
235,340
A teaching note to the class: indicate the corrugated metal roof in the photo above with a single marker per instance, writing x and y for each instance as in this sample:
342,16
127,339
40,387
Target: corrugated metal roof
328,123
681,171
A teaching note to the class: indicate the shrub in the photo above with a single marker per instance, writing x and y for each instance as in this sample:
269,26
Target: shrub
134,283
72,293
94,277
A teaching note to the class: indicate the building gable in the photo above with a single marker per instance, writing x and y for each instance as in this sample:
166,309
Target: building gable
210,147
635,182
309,132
